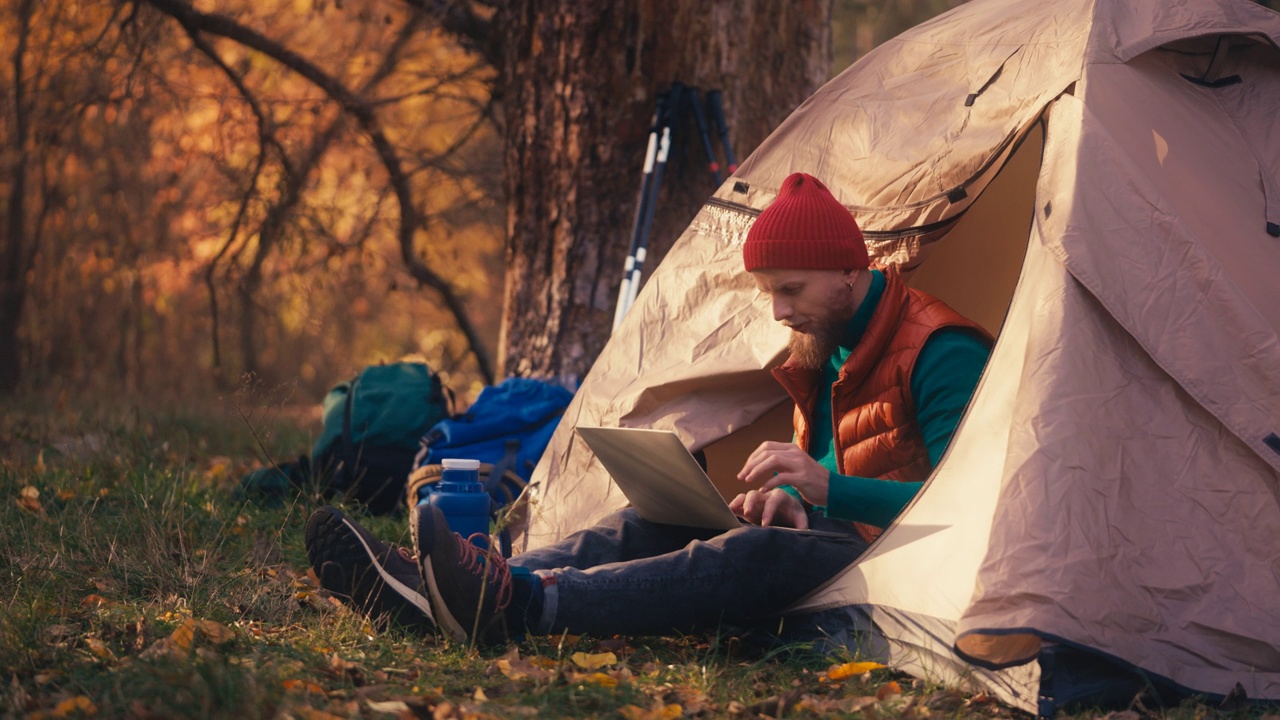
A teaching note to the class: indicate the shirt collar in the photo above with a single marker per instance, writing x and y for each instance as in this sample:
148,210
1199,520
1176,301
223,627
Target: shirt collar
857,326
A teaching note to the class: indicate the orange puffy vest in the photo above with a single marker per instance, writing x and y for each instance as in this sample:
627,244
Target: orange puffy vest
875,431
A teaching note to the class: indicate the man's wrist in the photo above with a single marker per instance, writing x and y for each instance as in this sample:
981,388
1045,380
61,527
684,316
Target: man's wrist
790,490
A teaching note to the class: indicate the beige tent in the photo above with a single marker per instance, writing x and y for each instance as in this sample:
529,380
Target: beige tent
1097,181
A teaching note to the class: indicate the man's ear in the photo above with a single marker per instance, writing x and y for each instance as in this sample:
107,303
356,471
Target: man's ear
851,276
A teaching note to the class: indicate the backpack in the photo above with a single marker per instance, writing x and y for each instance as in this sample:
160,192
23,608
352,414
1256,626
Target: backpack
372,425
507,429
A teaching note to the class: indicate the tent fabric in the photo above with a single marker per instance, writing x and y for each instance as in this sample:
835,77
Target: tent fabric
1099,182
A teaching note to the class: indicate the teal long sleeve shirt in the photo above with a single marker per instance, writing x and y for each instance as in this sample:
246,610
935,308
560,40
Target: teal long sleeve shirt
943,379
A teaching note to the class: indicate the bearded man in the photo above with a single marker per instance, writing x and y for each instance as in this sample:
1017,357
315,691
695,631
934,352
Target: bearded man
880,375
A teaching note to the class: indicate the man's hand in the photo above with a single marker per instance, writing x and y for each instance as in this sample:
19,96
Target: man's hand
770,507
778,463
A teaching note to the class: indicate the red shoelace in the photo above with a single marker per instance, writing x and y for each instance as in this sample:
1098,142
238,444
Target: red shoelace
489,562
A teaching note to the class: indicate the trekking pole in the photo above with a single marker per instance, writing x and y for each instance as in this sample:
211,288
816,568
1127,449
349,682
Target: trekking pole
706,136
664,149
651,153
716,102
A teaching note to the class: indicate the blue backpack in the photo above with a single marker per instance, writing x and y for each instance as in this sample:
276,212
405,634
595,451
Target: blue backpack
507,429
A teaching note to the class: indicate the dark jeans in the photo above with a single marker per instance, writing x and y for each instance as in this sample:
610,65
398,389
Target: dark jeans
630,576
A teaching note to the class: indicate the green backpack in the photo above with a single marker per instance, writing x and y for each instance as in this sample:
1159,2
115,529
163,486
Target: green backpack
372,424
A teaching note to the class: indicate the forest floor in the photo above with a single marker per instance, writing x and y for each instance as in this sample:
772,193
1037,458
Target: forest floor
135,585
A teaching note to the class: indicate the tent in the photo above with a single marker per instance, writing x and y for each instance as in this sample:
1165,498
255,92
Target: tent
1097,182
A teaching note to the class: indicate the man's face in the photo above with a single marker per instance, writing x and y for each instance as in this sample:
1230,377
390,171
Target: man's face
815,304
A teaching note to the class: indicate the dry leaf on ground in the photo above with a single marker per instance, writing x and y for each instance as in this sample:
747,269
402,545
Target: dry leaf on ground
852,669
516,668
888,689
658,712
593,661
29,499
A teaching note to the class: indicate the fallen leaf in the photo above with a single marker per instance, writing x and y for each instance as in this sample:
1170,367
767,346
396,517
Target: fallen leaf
185,635
40,467
852,669
79,706
29,499
303,686
660,711
215,632
988,699
592,661
601,679
219,468
93,601
388,706
65,495
99,649
163,646
890,688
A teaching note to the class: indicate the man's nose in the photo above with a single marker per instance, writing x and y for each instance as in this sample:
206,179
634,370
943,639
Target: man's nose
781,309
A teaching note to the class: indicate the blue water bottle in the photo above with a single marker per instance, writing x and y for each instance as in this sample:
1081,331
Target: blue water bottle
462,499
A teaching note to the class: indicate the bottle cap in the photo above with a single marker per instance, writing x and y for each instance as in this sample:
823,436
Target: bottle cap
460,464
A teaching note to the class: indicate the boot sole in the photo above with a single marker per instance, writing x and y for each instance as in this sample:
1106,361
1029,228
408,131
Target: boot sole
334,544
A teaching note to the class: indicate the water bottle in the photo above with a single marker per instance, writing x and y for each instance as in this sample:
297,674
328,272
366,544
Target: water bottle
462,499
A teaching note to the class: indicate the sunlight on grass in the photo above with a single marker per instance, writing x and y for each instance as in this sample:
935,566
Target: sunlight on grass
135,585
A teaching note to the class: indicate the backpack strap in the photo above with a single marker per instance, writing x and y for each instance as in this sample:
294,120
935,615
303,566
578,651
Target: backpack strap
343,479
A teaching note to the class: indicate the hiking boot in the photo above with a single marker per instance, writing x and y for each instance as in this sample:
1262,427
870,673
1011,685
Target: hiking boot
375,578
469,587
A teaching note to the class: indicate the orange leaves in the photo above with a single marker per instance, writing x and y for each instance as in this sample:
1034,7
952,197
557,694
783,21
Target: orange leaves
593,661
302,686
188,637
78,706
852,669
544,670
99,649
888,689
537,669
659,711
29,499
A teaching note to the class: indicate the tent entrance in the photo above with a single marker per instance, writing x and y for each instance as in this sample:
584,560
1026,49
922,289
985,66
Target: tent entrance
974,268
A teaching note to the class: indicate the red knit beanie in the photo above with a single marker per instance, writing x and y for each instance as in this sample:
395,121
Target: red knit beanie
805,228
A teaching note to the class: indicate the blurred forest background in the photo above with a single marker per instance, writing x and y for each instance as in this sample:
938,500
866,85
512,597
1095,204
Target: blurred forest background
190,192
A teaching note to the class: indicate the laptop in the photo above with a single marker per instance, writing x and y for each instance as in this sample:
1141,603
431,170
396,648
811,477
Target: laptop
663,482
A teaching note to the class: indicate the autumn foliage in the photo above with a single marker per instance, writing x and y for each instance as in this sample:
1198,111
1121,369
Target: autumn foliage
182,208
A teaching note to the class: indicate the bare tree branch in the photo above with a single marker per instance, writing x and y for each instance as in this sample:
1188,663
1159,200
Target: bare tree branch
474,32
196,21
265,137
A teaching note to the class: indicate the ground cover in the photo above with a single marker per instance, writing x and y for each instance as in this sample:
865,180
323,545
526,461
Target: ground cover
134,584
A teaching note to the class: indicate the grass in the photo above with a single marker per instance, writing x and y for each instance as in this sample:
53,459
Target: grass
135,585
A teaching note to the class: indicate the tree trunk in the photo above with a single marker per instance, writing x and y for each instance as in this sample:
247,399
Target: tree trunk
15,260
579,85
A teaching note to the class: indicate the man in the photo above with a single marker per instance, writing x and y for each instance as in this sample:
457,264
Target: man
892,367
